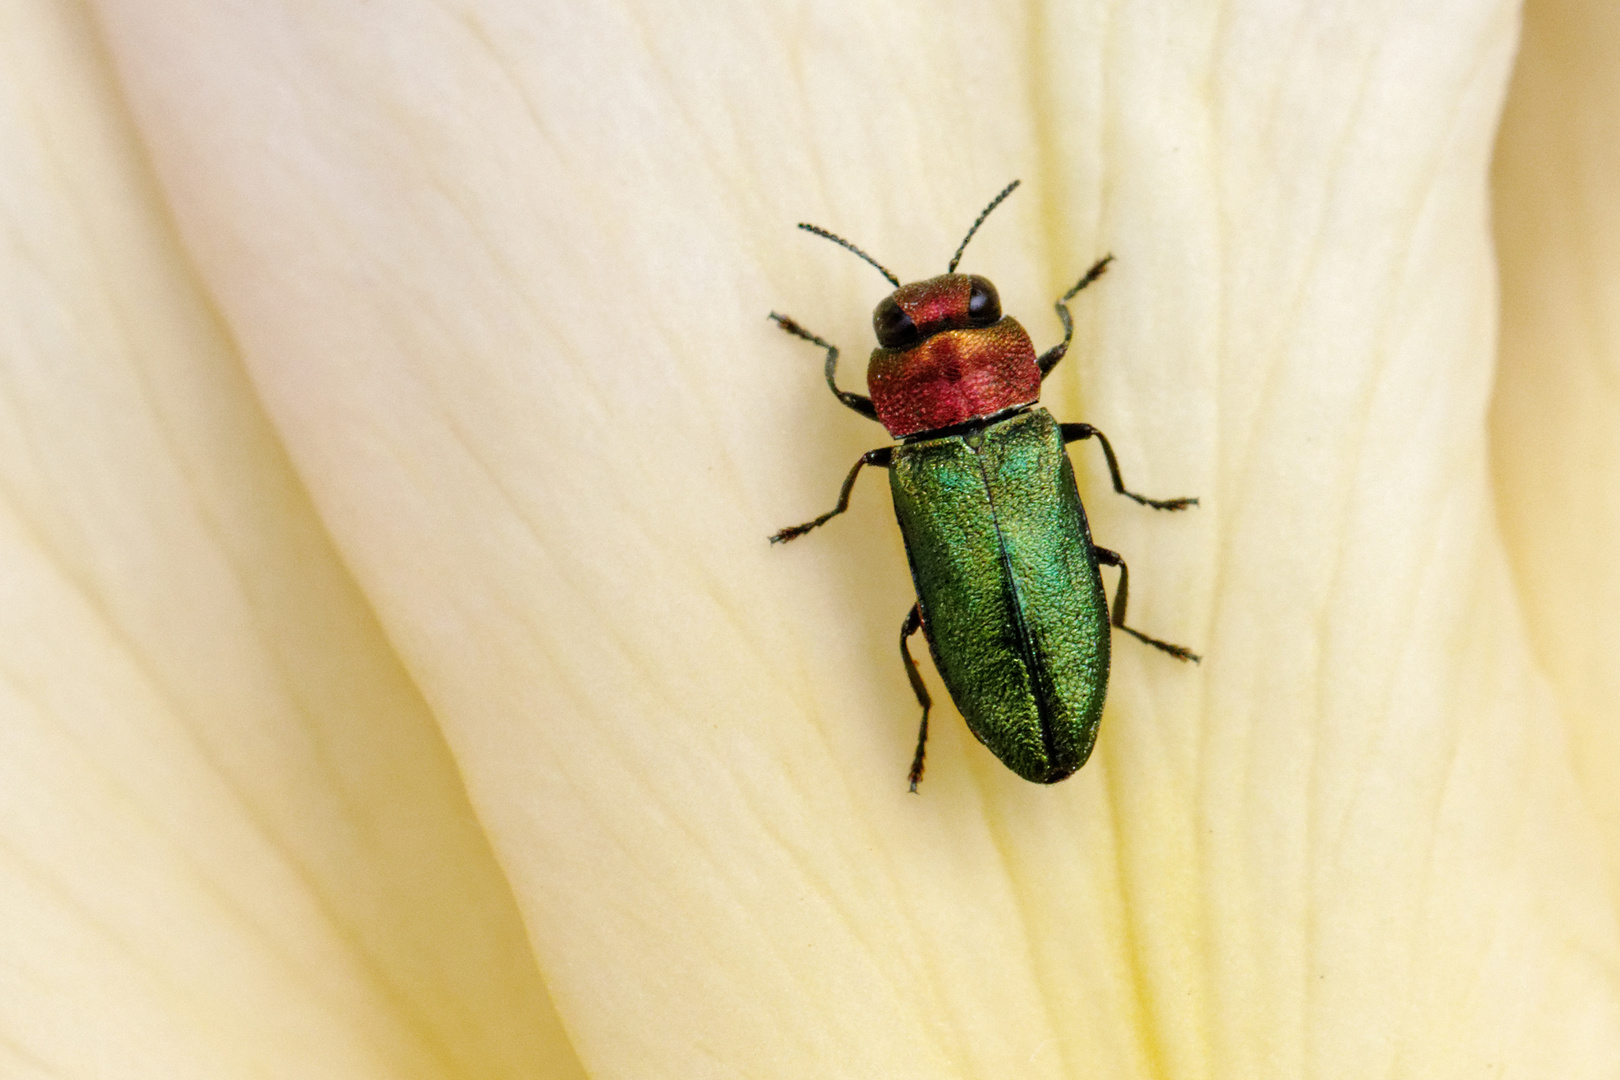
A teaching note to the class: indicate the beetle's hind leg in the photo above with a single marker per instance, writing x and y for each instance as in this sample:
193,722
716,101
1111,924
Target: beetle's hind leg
881,456
859,402
912,624
1122,597
1076,432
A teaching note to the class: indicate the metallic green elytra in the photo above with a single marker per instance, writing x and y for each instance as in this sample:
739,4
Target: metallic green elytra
1009,587
1008,583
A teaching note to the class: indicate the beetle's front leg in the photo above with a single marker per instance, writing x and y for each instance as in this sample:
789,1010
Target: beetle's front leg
912,624
1049,359
859,402
881,456
1122,597
1076,432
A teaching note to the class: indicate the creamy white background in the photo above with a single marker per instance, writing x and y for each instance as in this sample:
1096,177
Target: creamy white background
395,679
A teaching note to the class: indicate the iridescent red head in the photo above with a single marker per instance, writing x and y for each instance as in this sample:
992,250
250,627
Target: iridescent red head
945,354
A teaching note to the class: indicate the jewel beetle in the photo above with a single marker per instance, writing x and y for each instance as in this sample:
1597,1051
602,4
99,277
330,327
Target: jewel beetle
1010,594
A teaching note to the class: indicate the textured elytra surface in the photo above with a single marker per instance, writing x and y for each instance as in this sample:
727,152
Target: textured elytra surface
1011,596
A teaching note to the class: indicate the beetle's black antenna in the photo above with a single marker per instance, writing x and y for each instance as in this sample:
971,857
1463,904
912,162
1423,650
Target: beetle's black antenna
995,202
841,242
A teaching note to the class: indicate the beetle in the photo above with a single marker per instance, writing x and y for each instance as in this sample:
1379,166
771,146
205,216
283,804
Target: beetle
1010,596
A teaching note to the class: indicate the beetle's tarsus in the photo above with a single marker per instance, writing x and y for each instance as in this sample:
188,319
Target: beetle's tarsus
1177,651
912,624
788,323
793,532
1091,275
1162,504
916,773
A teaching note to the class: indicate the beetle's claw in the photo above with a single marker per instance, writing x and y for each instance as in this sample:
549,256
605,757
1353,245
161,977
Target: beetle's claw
1165,504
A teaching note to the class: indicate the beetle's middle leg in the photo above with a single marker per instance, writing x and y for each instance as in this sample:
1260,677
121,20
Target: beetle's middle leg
1122,597
912,624
859,402
881,456
1076,432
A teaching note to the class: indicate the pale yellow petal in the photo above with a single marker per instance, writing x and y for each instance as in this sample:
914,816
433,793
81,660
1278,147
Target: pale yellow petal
1556,413
500,271
232,842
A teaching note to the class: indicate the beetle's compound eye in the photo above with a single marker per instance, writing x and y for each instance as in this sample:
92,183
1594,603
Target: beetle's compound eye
894,327
984,306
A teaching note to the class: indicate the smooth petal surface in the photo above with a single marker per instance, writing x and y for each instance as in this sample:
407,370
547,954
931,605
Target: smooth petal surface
1556,415
499,273
232,842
